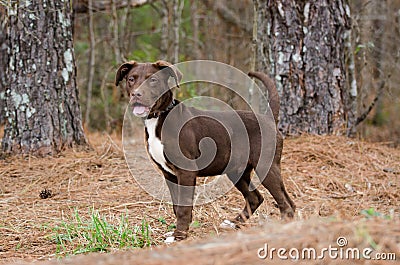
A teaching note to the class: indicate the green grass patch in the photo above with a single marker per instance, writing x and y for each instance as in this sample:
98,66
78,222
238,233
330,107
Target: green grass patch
372,213
97,233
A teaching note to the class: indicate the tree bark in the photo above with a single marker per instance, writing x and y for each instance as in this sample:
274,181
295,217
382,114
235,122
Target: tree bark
302,45
42,107
3,61
350,99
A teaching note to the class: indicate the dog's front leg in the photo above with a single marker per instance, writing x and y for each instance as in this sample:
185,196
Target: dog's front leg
172,184
182,195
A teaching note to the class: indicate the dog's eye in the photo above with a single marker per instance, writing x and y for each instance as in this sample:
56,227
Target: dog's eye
153,80
131,79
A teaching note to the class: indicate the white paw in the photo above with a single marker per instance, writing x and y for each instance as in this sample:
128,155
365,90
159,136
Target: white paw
169,238
228,225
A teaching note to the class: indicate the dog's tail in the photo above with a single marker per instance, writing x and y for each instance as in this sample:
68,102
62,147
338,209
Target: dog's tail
273,95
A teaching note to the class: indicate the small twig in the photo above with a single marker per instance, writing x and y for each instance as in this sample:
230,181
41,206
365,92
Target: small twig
380,90
109,147
371,106
343,196
132,204
297,186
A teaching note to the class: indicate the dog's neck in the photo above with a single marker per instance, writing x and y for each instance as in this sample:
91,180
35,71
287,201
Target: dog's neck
157,114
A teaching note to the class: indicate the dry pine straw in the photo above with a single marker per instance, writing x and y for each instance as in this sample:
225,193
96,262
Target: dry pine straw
327,176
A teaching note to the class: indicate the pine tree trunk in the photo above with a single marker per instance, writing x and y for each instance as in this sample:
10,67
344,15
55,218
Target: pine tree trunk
378,54
91,61
42,107
164,42
177,7
194,19
3,60
302,45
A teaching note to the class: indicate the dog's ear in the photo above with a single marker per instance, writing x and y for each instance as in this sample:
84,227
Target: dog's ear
123,70
174,72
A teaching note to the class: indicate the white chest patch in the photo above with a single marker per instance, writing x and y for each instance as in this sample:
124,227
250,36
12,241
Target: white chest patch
156,148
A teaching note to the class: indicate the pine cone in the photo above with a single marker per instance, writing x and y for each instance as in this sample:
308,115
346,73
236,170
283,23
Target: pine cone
44,194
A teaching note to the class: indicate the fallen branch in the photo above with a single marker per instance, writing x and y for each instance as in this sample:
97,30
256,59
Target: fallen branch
363,116
82,6
228,15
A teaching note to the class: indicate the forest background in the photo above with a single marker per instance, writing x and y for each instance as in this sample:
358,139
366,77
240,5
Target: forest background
222,31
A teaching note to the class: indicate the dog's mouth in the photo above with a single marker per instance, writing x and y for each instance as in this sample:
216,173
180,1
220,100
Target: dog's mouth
140,110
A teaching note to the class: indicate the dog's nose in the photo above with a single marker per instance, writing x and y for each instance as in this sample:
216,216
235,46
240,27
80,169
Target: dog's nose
137,94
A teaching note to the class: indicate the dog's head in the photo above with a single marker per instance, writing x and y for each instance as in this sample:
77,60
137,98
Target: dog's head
147,85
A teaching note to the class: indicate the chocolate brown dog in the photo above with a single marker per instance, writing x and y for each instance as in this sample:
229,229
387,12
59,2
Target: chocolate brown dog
152,99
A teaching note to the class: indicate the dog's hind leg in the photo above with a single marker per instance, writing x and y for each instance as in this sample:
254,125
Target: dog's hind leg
273,182
252,197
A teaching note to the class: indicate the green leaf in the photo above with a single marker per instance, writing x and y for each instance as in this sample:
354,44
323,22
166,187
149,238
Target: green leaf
195,224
